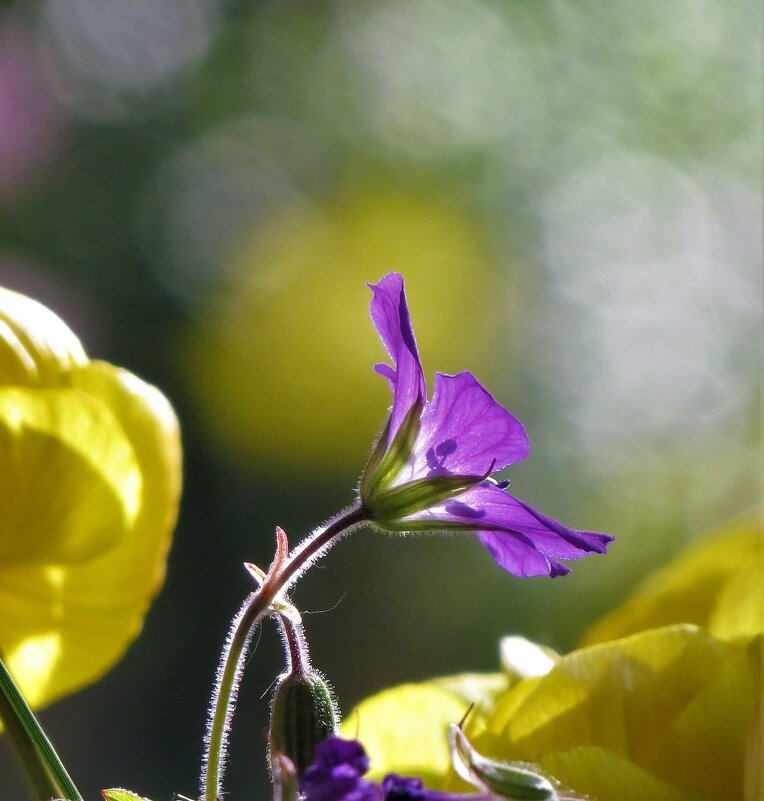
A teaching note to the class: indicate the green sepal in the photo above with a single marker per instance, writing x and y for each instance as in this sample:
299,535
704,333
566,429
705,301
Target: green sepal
415,496
386,462
508,780
371,471
116,794
303,715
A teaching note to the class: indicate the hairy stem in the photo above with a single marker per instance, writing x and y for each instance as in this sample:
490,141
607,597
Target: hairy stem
295,645
255,608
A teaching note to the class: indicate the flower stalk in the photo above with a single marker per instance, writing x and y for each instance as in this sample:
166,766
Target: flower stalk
44,769
303,710
283,572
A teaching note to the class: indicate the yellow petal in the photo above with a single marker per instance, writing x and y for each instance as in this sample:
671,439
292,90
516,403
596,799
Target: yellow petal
605,776
152,428
716,583
739,610
62,627
404,730
71,485
704,747
480,689
753,778
522,659
37,349
663,700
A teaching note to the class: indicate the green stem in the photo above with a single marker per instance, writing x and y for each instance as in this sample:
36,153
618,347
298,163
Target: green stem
45,771
39,778
246,621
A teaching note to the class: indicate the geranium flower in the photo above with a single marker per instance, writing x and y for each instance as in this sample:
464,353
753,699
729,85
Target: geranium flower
432,466
90,466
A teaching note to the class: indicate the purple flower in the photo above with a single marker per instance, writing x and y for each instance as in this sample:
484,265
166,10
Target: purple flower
337,771
432,465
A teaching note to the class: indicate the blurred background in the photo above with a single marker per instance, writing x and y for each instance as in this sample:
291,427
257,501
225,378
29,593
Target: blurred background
573,192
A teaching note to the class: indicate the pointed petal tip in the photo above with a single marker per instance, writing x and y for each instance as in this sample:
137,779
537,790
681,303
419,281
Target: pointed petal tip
597,542
393,275
385,370
390,281
557,569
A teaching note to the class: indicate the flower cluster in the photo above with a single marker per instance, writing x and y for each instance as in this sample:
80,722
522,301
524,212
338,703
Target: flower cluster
337,775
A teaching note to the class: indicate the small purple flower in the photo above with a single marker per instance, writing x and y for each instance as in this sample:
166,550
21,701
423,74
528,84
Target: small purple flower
432,465
337,771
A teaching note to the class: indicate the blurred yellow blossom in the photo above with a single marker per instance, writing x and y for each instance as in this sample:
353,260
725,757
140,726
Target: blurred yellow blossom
668,713
90,463
404,729
664,714
281,367
717,583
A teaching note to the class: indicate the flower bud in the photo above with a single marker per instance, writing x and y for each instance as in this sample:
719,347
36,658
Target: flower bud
509,780
303,714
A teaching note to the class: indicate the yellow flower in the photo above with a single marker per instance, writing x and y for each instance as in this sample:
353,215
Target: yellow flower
717,583
652,711
668,714
404,729
664,715
90,464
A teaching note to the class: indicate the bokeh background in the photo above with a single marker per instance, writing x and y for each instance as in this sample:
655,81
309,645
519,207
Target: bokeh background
573,193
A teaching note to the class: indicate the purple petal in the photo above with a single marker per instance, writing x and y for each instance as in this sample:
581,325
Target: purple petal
335,774
464,430
398,788
390,315
518,554
520,539
335,751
